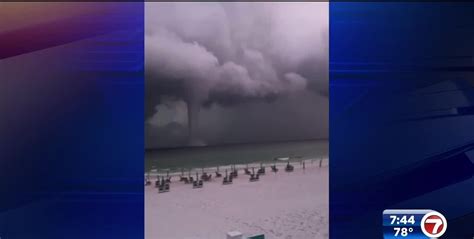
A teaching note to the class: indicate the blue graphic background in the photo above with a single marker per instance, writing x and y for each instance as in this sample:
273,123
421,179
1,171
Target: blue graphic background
72,127
401,118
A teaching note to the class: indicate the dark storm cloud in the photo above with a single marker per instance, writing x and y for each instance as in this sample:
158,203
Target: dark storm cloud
291,117
228,54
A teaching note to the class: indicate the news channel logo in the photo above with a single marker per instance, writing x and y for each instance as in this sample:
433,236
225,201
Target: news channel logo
413,223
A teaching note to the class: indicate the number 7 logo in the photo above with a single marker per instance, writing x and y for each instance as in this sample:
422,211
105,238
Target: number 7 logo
437,223
433,224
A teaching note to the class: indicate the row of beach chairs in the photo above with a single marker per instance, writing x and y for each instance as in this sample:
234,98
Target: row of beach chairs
163,184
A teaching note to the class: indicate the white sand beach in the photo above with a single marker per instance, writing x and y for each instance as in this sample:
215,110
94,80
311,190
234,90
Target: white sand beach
280,205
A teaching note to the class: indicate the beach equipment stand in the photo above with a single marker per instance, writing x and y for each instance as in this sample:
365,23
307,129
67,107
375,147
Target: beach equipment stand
168,178
218,175
261,170
227,179
289,167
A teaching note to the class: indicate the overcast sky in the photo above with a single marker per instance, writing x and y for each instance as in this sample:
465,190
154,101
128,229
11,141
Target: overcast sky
219,73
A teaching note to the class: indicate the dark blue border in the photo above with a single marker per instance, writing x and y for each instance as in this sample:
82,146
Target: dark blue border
401,127
72,165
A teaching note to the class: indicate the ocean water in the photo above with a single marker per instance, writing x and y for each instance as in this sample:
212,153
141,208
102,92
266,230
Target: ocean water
211,156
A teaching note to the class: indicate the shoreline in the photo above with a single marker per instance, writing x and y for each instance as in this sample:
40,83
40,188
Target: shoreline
238,154
280,164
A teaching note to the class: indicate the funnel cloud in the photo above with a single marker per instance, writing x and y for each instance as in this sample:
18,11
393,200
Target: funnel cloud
221,73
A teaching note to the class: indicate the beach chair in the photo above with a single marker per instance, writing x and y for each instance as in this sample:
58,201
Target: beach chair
147,180
274,168
207,178
261,170
234,173
218,175
182,177
162,183
197,184
185,180
157,183
227,179
163,188
247,171
254,177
